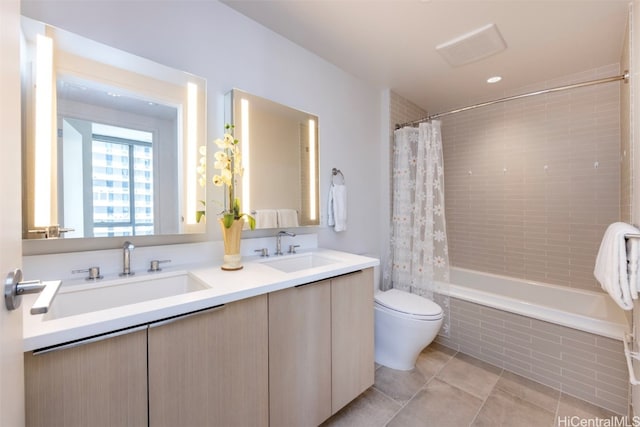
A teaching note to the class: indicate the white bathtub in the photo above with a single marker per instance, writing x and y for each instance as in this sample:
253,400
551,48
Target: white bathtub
592,312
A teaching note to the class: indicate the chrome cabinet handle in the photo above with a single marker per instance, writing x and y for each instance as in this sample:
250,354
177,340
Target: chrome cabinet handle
89,340
185,316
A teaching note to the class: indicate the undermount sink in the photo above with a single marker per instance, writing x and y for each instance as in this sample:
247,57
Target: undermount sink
299,262
98,295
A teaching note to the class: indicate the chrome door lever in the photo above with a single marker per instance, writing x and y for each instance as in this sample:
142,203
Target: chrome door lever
14,288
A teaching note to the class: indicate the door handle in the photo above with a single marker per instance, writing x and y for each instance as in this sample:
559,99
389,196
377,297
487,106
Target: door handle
14,288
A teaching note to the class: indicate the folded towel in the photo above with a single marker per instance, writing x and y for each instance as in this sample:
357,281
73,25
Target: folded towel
611,268
266,218
337,215
287,218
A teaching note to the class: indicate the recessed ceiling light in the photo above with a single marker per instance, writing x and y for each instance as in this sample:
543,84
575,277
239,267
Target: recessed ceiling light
494,79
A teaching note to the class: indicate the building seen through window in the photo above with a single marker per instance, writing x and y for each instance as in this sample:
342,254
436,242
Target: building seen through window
122,181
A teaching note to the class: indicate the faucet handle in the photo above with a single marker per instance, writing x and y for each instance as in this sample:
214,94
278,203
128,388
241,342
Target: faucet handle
263,252
94,273
292,248
155,265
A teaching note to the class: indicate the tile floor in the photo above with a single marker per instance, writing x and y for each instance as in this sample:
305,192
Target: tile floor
448,388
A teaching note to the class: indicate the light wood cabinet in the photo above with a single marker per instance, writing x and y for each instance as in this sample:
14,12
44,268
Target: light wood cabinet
300,355
211,368
96,383
352,367
289,358
320,348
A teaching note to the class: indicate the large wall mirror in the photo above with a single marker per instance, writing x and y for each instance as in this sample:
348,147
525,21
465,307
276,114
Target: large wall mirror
110,140
280,160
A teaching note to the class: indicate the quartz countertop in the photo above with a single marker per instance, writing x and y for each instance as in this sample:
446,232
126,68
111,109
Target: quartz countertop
256,278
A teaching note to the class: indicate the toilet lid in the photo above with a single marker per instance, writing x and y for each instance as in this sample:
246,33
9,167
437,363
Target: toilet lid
407,303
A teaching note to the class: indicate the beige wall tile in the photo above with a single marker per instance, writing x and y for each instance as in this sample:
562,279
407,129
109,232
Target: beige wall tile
576,362
533,222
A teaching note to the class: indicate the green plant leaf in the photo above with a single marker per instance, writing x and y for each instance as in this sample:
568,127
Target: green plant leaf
227,219
199,215
252,222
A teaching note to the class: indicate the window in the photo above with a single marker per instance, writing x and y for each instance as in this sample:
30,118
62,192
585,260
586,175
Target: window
122,172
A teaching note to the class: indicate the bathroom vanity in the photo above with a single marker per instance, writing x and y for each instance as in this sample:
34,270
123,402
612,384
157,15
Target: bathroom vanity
284,344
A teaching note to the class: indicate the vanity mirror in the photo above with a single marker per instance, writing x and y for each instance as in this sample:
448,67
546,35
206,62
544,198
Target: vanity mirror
110,140
280,160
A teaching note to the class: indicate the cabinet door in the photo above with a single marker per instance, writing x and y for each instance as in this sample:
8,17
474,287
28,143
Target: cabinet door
300,355
211,368
351,336
101,383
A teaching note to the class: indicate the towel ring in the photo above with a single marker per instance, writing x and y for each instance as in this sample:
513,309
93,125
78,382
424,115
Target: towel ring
335,172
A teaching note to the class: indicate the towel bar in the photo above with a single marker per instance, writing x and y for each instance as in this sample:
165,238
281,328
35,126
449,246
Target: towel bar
632,236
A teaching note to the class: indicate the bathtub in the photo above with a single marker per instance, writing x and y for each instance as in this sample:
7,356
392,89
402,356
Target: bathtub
568,339
592,312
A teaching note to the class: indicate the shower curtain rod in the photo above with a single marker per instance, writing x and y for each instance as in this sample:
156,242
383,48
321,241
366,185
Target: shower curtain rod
624,77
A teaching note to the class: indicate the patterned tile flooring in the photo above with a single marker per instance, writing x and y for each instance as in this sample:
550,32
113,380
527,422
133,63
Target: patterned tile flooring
448,388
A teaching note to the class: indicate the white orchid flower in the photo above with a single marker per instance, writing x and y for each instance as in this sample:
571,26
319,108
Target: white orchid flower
217,180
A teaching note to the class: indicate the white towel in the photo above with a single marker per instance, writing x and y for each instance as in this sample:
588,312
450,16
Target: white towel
337,215
266,218
287,218
611,268
633,255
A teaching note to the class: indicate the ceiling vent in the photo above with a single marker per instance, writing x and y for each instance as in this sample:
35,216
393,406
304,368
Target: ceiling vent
472,46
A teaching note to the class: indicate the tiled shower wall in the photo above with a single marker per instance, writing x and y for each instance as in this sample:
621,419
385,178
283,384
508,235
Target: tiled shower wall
402,111
540,223
531,185
626,166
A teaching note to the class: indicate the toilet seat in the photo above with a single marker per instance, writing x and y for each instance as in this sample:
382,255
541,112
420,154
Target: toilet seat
409,305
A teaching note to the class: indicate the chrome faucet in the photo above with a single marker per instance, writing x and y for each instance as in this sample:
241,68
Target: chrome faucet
126,259
279,242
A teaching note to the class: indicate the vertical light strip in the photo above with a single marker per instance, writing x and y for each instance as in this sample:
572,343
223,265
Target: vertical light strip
191,155
312,169
246,187
43,131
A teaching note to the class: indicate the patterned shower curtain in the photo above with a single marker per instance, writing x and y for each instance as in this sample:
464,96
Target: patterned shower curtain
418,261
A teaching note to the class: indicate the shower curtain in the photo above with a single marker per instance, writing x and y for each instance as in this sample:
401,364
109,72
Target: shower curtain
418,260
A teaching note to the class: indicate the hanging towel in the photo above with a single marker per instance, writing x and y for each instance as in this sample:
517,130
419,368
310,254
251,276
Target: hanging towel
633,255
287,218
612,266
337,215
266,218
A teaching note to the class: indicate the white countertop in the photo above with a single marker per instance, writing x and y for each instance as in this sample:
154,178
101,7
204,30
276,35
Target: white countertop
256,278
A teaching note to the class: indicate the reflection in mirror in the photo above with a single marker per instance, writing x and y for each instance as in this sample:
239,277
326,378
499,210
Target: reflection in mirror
107,140
280,160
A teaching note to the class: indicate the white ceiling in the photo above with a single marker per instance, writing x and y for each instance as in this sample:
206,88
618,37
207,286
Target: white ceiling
391,43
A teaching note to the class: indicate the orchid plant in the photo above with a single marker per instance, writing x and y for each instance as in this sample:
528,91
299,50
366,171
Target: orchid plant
229,160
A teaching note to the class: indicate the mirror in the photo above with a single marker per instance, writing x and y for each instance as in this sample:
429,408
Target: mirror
280,159
110,140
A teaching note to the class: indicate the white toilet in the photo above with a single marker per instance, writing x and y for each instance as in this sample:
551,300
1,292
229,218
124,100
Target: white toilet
404,325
